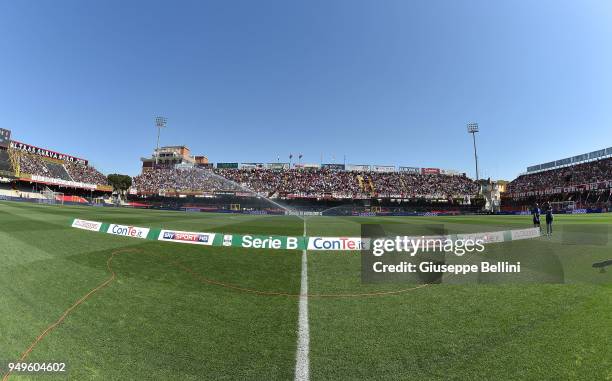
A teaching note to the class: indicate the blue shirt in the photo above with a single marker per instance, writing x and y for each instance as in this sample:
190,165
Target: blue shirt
536,214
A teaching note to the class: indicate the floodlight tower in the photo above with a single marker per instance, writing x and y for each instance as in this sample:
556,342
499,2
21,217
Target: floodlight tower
472,128
160,122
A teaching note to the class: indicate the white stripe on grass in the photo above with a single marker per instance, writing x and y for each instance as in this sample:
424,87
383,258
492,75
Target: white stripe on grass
302,371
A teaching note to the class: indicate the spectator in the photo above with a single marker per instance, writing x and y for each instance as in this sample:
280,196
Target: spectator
85,174
306,182
592,172
40,166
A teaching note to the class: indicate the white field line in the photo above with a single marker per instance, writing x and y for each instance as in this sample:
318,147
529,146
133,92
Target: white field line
302,363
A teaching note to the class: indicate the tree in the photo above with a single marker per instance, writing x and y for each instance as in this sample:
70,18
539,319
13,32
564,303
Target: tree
120,183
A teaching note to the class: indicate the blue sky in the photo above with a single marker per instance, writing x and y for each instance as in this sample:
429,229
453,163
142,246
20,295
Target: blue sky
382,82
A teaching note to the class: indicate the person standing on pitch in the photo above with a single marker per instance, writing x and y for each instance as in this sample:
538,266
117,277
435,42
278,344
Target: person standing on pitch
535,212
549,220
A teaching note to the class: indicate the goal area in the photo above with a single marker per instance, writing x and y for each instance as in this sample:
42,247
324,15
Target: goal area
47,196
563,205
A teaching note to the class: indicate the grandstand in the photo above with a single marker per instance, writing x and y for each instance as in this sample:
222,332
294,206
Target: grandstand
35,165
38,173
172,170
574,175
587,183
306,187
583,181
180,179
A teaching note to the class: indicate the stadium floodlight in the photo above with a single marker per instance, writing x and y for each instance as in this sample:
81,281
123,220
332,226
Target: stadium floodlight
160,122
472,128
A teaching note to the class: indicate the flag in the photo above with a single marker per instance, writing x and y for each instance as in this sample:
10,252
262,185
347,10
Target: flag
290,156
300,156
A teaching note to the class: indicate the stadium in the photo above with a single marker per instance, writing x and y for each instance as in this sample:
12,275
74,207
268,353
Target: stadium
273,282
318,190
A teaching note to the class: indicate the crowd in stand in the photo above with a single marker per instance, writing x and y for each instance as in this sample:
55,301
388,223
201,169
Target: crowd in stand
585,173
306,182
37,165
415,185
85,174
294,181
186,180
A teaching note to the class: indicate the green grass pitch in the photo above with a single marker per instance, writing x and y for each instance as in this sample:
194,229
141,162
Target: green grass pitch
157,320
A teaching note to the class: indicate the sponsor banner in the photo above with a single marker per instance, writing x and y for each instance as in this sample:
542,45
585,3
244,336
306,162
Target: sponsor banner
533,168
579,211
430,171
87,225
227,165
251,165
65,183
277,166
307,165
428,214
383,168
281,242
561,162
46,153
186,237
415,170
490,237
302,213
335,243
358,167
104,188
365,214
254,212
333,167
449,172
267,242
225,193
128,231
524,233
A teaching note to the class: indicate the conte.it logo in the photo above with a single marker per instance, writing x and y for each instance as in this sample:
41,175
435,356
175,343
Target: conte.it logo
128,231
334,243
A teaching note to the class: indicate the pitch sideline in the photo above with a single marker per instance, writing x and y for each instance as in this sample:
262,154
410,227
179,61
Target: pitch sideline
302,362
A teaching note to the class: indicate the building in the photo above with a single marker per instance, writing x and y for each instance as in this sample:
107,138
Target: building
173,157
